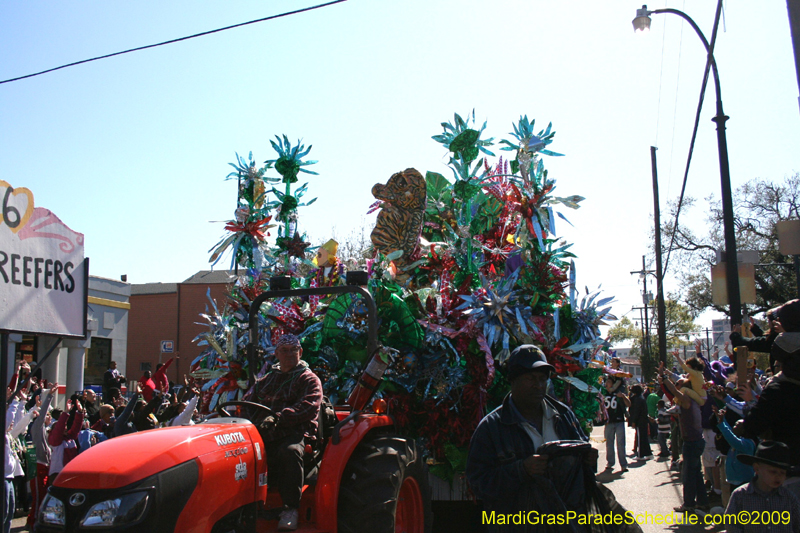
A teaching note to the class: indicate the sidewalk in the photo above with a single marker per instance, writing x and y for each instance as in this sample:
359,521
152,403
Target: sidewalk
18,525
648,486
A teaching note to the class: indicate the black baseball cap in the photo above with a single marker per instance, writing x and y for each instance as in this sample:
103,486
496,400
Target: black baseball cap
527,358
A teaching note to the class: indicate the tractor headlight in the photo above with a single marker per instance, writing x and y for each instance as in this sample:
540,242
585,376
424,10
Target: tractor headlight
52,511
125,510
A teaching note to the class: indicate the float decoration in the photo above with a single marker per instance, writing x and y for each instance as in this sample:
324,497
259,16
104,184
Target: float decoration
462,272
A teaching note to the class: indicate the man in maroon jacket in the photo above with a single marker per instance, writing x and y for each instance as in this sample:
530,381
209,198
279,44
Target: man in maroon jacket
148,385
294,393
63,440
160,377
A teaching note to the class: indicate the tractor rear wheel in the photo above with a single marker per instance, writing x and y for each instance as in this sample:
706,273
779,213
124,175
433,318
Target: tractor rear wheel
385,489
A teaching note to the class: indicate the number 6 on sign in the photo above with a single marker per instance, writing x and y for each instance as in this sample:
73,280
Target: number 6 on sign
17,206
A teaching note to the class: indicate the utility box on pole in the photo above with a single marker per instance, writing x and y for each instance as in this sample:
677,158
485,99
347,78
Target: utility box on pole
746,261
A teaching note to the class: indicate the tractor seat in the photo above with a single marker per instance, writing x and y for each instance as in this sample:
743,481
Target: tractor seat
326,420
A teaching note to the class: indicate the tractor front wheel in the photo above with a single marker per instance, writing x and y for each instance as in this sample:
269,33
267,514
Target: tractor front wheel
385,488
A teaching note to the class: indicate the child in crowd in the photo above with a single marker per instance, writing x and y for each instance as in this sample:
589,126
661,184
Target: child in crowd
765,494
663,428
736,472
694,368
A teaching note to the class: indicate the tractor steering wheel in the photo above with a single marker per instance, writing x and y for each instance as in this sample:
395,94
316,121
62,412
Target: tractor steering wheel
254,412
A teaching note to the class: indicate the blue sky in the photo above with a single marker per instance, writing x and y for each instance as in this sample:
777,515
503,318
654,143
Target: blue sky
133,150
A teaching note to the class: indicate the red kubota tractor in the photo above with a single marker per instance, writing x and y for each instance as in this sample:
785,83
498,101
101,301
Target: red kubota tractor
211,477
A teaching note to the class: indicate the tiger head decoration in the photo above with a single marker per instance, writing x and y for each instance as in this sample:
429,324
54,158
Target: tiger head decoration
399,223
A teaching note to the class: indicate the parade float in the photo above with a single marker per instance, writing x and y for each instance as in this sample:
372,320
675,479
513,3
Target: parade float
462,269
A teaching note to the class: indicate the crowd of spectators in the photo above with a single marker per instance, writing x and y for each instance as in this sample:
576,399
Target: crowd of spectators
732,430
42,439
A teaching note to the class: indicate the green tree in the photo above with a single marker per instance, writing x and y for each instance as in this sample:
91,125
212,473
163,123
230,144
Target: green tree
758,206
679,322
624,330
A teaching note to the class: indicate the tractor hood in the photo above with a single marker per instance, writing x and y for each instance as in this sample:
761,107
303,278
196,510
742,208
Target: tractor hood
121,461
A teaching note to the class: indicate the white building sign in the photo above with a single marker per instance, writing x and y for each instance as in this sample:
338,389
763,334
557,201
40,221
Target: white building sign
43,273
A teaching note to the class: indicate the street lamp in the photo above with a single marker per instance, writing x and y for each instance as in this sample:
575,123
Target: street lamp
641,24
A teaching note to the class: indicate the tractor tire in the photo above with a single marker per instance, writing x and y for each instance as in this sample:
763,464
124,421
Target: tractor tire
385,489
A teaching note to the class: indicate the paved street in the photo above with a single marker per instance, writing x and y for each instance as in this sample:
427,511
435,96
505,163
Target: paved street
648,486
18,524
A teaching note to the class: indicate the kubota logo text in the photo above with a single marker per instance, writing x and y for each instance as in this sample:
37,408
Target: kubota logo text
229,438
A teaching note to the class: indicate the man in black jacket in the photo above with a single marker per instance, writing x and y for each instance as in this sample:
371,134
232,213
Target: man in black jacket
112,379
639,421
503,466
776,415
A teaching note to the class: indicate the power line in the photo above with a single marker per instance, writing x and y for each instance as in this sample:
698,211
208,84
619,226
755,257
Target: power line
675,106
709,59
174,40
688,163
661,77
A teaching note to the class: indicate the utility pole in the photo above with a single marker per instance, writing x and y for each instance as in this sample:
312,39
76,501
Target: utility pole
646,347
641,321
644,334
660,304
645,299
793,6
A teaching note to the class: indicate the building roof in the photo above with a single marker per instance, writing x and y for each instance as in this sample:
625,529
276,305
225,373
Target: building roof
115,280
119,289
153,288
206,277
212,277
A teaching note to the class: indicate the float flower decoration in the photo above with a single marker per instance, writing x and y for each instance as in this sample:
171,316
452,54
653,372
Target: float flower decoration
463,139
252,181
544,278
479,285
248,231
289,241
583,319
289,164
244,240
295,247
221,364
531,192
588,317
494,307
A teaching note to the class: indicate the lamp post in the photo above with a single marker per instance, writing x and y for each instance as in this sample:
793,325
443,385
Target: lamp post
642,24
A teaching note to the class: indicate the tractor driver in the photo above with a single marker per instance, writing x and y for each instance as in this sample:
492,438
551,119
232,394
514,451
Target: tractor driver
294,393
503,464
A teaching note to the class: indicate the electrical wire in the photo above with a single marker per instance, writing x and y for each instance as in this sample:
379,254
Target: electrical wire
688,162
675,106
691,144
272,17
661,75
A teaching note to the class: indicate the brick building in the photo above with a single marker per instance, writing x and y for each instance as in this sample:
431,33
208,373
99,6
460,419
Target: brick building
170,312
